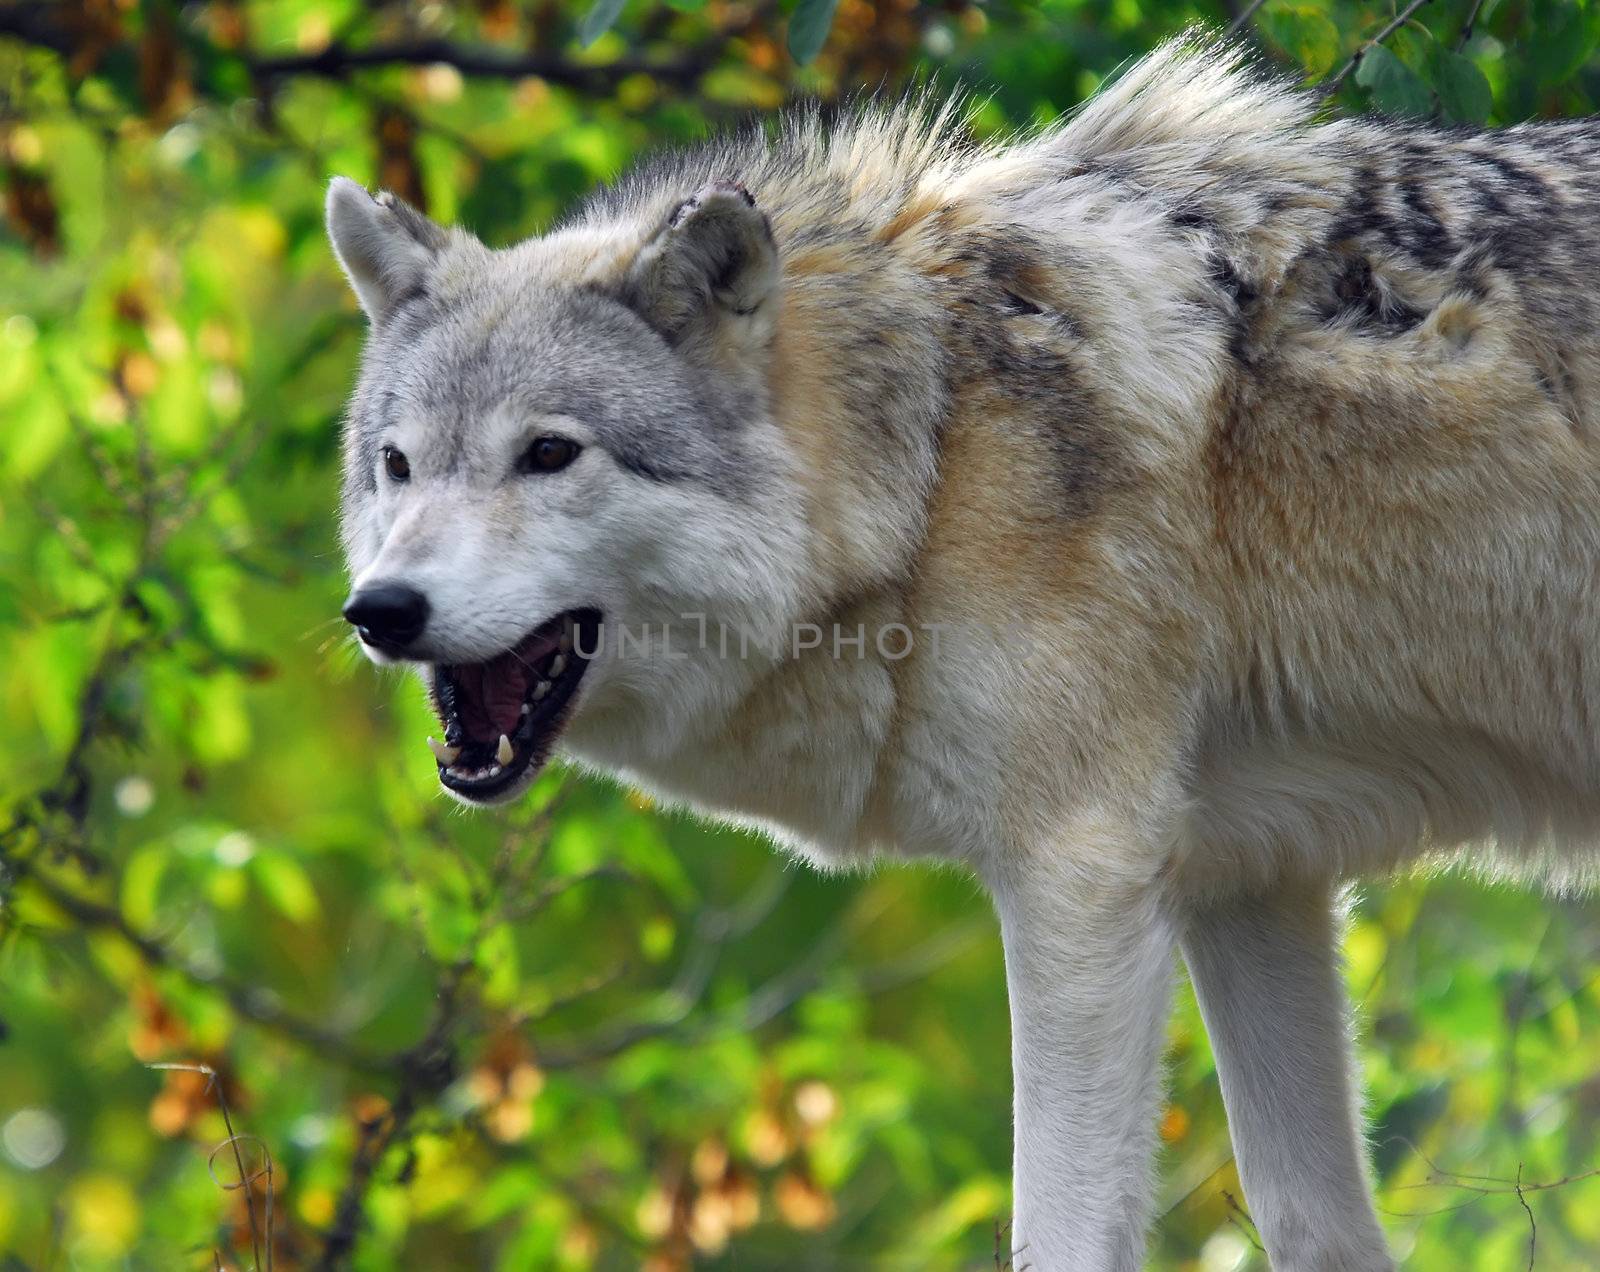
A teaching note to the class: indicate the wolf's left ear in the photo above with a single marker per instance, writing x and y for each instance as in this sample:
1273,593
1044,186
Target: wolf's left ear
713,262
386,246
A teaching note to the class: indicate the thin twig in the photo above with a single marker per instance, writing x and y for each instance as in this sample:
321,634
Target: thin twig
425,1070
1331,86
1470,25
1240,1218
244,1179
1481,1186
1533,1228
1243,20
1488,1185
714,929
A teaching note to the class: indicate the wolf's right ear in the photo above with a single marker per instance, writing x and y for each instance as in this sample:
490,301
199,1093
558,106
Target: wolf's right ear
712,262
384,244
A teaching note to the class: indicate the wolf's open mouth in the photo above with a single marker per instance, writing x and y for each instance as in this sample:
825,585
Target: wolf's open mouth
502,717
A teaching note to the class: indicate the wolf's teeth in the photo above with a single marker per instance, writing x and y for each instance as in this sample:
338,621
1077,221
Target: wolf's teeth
526,707
445,754
540,689
503,752
558,666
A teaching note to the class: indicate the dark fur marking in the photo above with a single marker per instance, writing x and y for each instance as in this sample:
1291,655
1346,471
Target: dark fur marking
1422,231
1240,297
1359,299
1489,201
1528,184
1010,271
636,464
1569,388
1191,217
1360,214
1081,475
1243,292
1014,306
853,233
411,313
1032,368
412,296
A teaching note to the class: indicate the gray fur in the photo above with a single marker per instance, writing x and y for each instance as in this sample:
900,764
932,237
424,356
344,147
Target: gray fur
550,351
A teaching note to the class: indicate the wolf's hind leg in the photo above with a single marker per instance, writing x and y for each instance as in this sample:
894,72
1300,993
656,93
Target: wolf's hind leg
1266,973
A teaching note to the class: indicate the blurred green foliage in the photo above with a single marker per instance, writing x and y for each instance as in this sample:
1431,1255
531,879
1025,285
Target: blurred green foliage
588,1034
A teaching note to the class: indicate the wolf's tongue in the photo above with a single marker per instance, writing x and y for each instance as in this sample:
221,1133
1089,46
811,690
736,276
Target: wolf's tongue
489,696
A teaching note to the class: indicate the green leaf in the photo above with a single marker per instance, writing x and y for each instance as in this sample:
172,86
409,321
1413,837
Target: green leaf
497,956
141,887
1396,89
221,727
1371,65
1306,33
1560,38
808,28
656,936
601,17
286,885
1463,91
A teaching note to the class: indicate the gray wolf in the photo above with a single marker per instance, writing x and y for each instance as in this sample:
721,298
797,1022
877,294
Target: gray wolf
1226,482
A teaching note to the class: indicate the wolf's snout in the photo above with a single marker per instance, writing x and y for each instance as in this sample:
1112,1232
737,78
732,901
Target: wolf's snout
389,615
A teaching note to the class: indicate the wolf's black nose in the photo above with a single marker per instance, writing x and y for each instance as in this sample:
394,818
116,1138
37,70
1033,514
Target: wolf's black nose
388,614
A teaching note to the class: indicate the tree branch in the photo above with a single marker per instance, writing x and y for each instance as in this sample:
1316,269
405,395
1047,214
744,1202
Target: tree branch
246,1002
338,61
55,27
1331,86
1470,25
1243,20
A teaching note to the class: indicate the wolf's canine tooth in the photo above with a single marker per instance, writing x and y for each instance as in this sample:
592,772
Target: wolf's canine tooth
503,752
558,666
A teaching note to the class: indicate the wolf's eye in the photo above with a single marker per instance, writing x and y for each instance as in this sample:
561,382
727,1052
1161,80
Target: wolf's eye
547,455
396,465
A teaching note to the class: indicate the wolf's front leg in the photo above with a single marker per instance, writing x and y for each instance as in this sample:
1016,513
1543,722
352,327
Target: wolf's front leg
1089,969
1266,973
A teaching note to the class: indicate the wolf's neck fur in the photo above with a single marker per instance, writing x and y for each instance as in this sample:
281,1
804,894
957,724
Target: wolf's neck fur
953,382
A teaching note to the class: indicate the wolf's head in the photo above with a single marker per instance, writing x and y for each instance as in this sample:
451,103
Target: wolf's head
561,470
